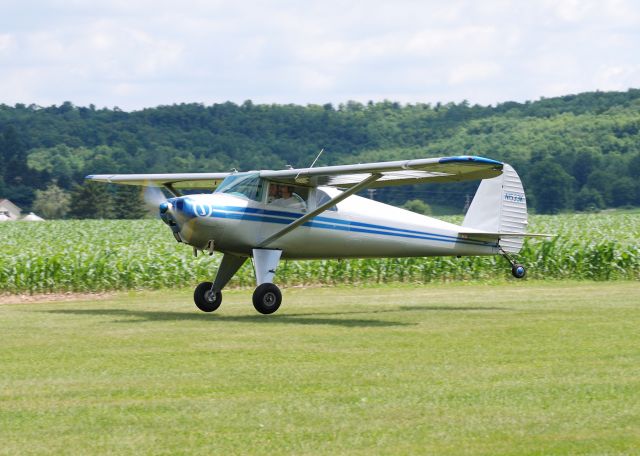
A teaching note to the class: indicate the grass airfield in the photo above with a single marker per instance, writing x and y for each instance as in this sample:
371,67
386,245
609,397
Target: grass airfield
512,368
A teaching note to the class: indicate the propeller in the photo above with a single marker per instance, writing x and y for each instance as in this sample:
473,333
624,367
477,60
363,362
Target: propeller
153,198
156,201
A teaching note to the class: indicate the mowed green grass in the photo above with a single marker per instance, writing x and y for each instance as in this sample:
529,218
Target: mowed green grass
520,368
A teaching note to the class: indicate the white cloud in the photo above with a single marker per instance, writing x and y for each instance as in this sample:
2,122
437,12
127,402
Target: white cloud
7,42
312,79
17,86
142,53
619,77
474,71
596,12
571,10
456,41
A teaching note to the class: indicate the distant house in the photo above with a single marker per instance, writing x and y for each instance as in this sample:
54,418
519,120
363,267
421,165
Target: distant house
9,210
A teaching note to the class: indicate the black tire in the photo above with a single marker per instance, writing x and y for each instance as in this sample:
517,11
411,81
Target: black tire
205,300
267,298
518,271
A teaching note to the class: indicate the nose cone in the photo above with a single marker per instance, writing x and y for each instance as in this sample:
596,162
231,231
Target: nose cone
167,212
176,212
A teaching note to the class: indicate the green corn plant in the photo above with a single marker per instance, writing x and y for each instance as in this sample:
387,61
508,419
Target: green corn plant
99,255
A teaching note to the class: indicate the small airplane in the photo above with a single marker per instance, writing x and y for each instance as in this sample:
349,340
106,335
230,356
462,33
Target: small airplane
309,213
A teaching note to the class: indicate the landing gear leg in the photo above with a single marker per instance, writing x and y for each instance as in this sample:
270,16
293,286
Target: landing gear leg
267,296
517,270
208,295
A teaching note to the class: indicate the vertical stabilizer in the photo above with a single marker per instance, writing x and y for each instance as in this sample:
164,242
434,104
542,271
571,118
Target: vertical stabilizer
500,206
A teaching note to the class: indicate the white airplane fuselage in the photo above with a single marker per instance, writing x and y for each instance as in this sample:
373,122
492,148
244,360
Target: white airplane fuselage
359,228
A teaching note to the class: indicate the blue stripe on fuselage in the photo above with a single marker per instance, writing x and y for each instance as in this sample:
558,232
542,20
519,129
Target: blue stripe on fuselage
294,215
270,216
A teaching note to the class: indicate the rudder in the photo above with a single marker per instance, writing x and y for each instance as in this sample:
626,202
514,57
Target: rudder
500,206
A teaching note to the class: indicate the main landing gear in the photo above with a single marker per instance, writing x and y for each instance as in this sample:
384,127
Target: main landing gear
517,270
266,297
206,299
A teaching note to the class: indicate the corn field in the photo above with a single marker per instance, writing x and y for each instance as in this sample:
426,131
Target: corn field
102,255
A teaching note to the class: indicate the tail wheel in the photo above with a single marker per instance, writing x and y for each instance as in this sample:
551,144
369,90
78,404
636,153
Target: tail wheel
518,271
267,298
205,298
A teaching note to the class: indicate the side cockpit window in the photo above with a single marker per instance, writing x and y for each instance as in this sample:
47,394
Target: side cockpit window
291,197
323,197
244,185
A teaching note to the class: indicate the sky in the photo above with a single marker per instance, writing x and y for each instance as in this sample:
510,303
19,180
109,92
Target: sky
143,53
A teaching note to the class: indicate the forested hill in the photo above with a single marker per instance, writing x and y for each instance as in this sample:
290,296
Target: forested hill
573,152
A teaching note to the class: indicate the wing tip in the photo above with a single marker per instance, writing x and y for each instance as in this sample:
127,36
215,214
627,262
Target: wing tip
470,158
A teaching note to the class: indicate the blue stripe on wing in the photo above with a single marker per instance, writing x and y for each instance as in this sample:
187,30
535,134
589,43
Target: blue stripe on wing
470,159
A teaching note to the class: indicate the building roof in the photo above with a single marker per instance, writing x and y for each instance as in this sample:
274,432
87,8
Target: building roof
9,206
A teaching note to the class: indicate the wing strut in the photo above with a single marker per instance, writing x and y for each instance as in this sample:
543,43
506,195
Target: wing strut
172,190
320,209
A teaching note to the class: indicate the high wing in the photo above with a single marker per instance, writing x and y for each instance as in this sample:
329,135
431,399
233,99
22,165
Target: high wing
402,172
178,181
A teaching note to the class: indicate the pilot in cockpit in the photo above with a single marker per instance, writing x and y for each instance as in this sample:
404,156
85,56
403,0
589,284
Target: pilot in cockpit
284,196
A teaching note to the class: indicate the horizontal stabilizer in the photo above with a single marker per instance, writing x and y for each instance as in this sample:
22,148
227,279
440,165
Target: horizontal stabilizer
487,236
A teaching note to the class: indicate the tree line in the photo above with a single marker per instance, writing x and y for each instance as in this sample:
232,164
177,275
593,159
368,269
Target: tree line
577,152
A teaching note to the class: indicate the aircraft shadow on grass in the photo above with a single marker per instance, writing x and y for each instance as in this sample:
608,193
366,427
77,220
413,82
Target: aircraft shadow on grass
324,318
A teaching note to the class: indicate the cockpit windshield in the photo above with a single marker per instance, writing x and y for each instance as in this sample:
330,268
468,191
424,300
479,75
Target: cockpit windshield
247,185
